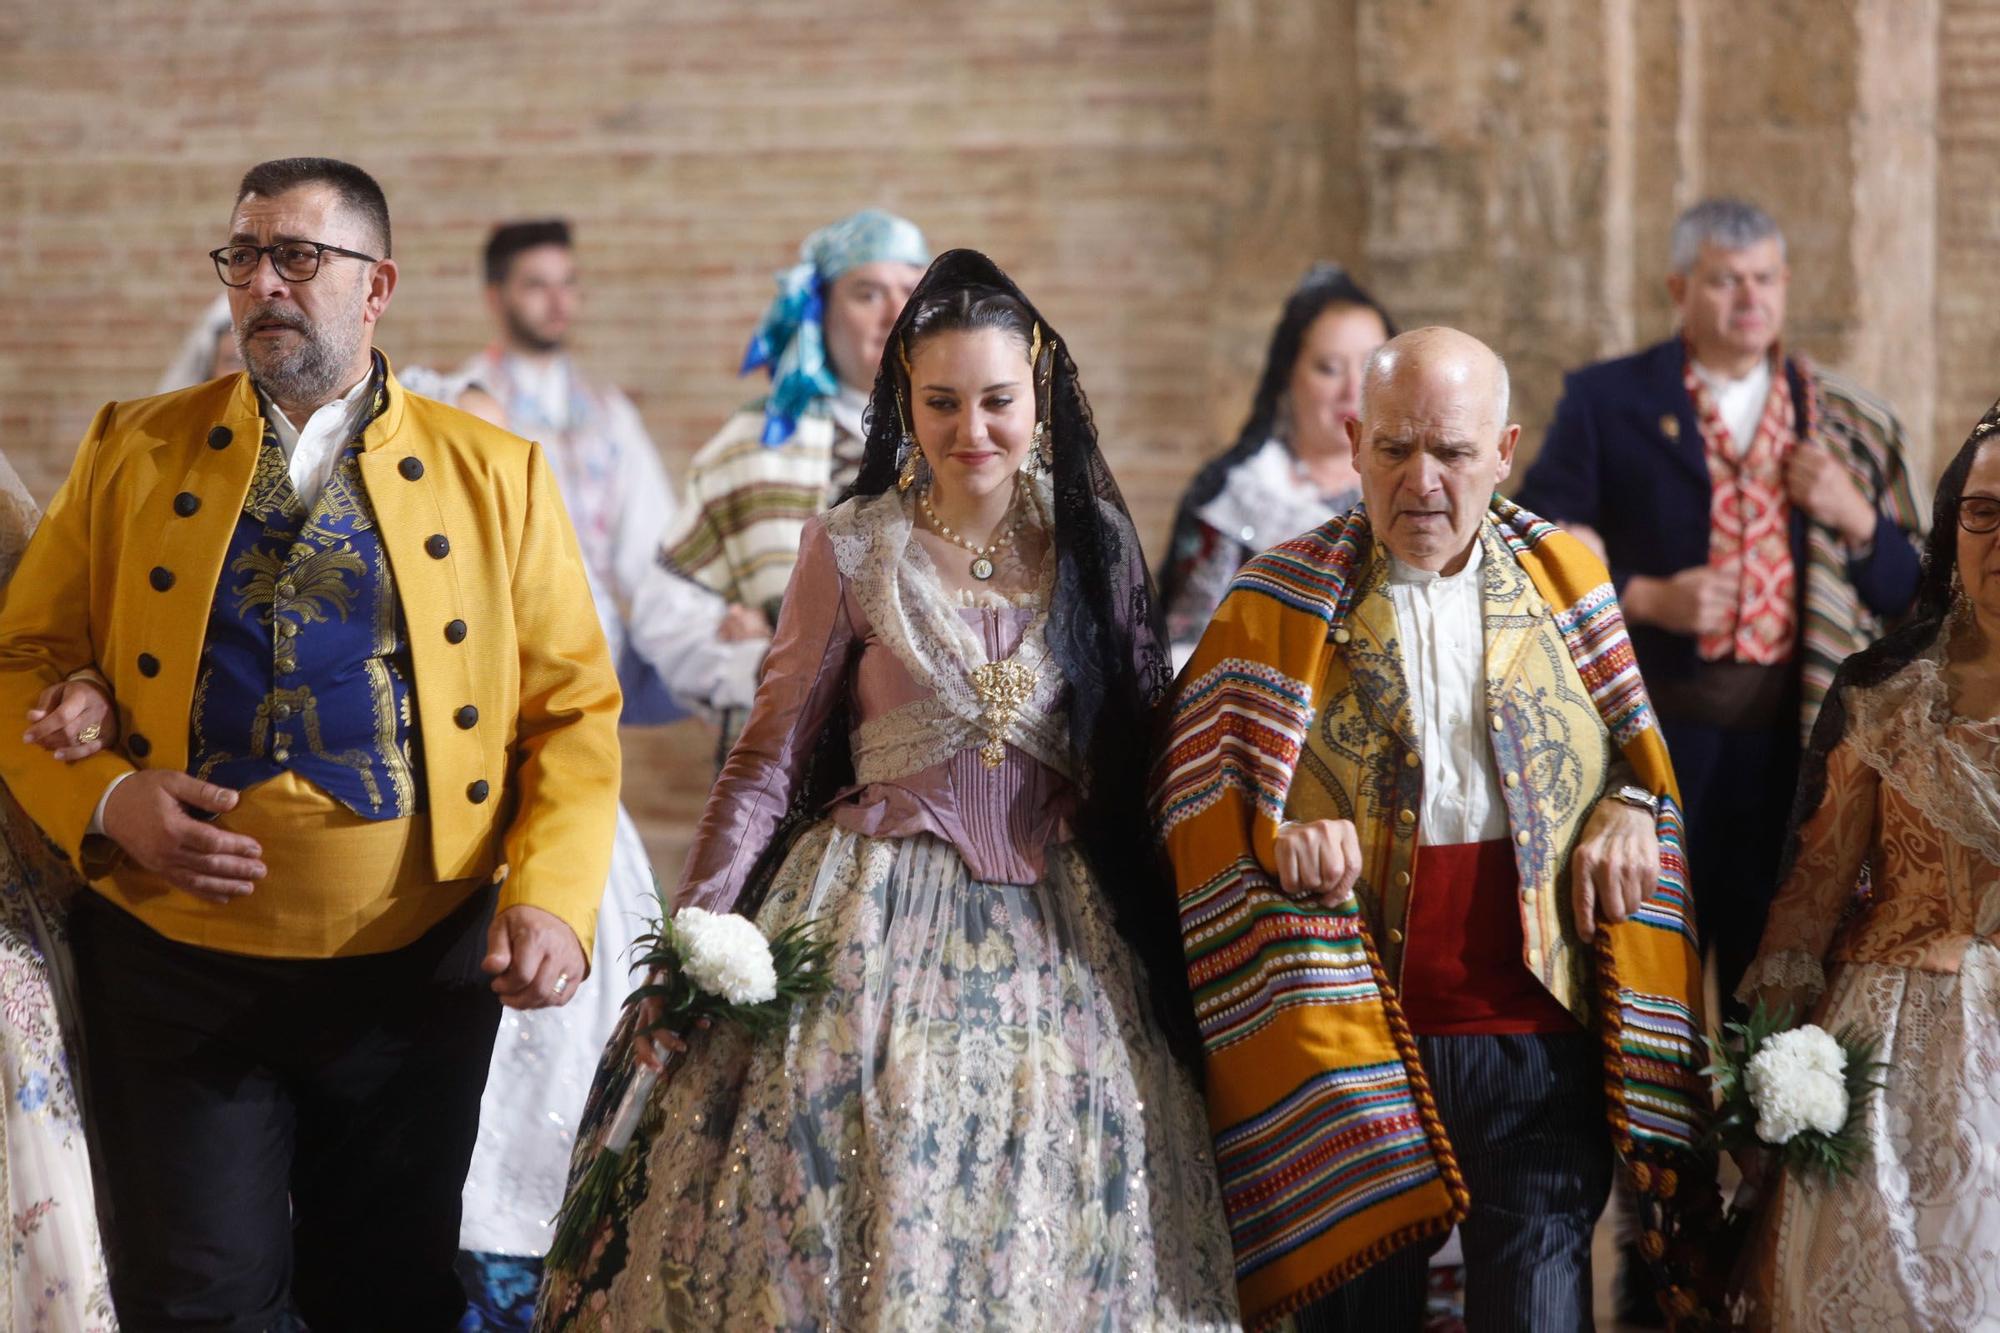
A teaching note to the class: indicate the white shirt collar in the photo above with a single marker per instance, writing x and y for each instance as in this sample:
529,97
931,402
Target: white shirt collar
1402,573
1759,375
313,451
340,411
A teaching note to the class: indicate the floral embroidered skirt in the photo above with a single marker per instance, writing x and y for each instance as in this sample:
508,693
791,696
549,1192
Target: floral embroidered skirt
1912,1240
53,1276
979,1127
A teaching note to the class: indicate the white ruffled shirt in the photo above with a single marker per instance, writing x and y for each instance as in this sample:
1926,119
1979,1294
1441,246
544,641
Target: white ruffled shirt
1441,628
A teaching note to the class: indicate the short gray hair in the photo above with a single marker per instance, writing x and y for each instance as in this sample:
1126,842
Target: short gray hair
1727,224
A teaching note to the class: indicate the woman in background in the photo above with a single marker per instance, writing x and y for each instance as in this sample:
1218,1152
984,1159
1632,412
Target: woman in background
1291,467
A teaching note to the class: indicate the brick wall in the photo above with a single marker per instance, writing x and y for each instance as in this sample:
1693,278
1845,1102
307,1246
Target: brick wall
1155,172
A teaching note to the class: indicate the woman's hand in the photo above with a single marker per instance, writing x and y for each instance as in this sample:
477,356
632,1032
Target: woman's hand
649,1046
1755,1165
740,624
72,719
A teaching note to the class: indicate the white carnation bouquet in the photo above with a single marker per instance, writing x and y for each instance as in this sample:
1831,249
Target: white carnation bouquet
1797,1091
703,968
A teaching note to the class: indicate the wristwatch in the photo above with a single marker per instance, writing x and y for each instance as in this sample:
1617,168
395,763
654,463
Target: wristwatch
1637,797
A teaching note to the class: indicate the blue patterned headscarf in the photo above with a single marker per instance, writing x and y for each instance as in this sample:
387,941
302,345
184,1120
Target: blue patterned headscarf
791,341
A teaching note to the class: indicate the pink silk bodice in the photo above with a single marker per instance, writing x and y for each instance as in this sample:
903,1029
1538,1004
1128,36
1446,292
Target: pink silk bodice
1000,820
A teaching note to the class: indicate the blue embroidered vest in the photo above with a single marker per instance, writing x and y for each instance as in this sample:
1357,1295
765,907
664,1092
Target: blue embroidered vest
306,665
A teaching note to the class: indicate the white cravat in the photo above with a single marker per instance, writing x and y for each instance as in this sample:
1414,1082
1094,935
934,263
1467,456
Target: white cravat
1441,625
314,451
1739,402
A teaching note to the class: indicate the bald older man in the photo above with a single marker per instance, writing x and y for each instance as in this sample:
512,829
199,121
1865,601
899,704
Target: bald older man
1423,831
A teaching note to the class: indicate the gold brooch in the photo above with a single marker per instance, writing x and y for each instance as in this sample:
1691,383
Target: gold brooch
1670,426
1002,687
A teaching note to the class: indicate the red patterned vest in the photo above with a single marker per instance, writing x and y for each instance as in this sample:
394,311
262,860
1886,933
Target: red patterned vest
1750,525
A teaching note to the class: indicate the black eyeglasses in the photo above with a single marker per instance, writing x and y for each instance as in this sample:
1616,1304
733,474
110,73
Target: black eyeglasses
294,261
1978,514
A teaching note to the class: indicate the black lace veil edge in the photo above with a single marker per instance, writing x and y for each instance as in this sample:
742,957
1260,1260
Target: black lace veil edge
1323,285
1916,637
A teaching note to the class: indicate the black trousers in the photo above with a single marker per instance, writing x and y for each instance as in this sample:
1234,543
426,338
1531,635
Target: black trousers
279,1133
1737,786
1525,1116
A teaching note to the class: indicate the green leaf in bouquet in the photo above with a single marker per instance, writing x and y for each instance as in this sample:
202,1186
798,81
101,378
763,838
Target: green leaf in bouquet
1734,1125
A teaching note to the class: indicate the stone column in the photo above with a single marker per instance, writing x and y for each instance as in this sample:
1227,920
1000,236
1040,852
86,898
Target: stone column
1290,188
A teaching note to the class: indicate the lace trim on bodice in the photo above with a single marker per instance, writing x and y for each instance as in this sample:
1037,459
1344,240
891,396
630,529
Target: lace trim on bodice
920,622
1942,764
1787,969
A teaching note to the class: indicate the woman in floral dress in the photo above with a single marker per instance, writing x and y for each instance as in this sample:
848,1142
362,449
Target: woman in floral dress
1888,921
991,1121
52,1273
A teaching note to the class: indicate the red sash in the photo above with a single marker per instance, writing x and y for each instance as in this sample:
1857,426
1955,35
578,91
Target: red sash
1462,969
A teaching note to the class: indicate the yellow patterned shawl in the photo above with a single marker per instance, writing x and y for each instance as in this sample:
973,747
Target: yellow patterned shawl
1327,1140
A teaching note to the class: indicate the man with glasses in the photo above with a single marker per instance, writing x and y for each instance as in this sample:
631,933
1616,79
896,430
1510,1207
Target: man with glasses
368,780
1756,512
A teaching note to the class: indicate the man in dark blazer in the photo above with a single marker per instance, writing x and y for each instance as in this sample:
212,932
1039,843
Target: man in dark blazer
1757,517
1756,512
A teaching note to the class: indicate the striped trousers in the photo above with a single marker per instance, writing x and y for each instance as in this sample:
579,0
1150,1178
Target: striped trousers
1525,1115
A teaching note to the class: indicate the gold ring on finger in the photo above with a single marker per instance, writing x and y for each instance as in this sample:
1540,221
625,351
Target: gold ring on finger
89,734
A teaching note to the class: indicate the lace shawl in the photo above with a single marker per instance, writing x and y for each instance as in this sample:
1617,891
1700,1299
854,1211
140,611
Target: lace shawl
1906,731
892,578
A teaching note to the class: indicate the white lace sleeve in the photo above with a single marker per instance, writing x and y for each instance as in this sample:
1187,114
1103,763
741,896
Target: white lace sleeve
1787,969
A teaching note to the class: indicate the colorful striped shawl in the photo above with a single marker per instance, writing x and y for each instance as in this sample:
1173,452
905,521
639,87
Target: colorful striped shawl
738,531
1327,1140
1863,433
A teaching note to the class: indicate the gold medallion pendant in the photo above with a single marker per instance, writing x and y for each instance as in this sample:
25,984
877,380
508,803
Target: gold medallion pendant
982,556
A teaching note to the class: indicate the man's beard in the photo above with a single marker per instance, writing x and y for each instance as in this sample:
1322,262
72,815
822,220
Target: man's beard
523,335
312,372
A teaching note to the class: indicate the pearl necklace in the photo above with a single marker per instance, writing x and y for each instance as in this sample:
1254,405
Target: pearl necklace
982,556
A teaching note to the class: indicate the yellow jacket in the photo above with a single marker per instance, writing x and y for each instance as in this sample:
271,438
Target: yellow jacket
504,621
